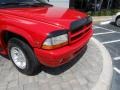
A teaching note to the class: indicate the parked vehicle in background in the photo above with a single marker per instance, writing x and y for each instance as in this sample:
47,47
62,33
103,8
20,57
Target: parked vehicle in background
33,32
116,19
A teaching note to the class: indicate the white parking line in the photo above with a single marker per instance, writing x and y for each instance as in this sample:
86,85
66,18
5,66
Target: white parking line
105,22
116,58
114,41
95,27
117,70
104,28
104,33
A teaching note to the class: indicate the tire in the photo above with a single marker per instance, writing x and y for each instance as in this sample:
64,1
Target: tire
22,57
118,22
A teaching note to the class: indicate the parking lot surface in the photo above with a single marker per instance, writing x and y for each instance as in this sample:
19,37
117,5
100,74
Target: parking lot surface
109,35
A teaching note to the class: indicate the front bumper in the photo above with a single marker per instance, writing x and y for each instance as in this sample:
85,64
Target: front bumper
58,57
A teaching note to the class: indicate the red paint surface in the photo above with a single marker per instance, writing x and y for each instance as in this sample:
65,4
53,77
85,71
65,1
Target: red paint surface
34,24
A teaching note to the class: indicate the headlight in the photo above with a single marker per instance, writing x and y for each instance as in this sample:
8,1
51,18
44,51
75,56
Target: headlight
54,41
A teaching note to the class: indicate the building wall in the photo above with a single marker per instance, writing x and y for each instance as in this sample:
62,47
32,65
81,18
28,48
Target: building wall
60,3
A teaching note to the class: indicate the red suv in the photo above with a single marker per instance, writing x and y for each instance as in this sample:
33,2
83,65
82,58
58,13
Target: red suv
33,32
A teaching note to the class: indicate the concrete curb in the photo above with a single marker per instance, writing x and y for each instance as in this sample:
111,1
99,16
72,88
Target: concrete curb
105,78
101,18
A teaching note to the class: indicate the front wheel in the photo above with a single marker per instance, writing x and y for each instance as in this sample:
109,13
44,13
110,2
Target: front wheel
118,22
23,57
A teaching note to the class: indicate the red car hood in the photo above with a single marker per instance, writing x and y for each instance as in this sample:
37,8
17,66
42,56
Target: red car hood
53,15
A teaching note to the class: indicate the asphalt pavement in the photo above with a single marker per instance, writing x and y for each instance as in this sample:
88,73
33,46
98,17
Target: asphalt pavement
109,35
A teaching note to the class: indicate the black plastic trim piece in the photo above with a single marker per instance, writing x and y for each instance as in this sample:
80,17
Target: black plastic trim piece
79,23
57,33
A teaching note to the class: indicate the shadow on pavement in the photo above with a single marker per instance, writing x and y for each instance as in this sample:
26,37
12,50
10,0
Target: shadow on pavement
65,67
112,23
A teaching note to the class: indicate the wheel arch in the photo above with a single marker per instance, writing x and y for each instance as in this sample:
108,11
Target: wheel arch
117,17
6,35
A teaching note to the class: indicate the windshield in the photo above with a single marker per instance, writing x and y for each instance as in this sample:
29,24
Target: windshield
17,3
20,1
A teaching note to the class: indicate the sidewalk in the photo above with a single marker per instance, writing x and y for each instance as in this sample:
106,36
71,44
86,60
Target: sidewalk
101,18
91,70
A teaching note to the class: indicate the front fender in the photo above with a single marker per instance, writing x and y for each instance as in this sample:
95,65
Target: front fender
21,33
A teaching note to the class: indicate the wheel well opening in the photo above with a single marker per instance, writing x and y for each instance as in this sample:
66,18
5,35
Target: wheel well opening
8,35
118,17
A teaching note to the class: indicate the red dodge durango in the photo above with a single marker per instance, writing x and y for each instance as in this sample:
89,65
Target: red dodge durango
33,32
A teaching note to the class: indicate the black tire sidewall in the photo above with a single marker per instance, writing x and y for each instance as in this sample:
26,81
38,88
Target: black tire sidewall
31,61
117,21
